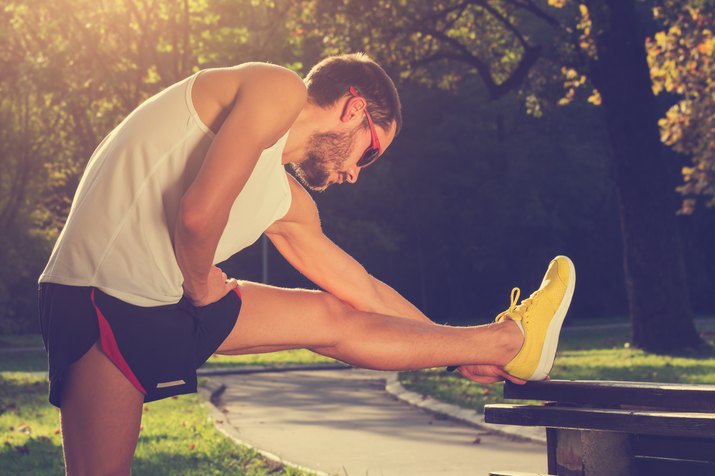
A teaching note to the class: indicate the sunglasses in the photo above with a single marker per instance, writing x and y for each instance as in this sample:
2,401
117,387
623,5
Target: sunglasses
373,152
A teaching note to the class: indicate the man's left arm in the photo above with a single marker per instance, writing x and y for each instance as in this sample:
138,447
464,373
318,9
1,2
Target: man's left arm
300,239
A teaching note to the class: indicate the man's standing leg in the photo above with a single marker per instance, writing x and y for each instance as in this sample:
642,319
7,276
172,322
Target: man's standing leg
101,416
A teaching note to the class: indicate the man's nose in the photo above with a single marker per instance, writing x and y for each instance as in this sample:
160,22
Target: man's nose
353,174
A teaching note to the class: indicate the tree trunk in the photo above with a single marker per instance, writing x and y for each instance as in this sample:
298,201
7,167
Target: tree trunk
654,269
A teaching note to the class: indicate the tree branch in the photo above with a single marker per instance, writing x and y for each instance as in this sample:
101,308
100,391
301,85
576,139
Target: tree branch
436,15
463,55
532,8
454,20
503,20
466,57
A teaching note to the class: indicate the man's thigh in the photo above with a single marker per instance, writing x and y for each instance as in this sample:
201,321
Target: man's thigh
273,318
101,414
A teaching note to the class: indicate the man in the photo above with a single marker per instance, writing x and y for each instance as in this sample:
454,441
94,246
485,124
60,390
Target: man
131,302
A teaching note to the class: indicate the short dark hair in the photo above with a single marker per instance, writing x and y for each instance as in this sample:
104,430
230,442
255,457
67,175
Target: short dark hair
330,80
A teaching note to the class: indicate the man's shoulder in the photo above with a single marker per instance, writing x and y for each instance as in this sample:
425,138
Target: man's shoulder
269,96
224,84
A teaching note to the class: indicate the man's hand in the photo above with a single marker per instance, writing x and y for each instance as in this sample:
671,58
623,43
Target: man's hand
487,374
217,285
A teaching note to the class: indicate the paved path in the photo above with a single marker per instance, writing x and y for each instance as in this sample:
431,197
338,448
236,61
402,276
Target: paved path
343,422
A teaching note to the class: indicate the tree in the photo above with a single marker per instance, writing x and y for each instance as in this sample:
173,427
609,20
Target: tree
520,44
74,68
655,273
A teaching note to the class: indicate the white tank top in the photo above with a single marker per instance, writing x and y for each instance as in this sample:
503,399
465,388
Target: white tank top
119,233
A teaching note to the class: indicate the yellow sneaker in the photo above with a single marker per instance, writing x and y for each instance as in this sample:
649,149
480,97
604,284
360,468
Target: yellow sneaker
540,317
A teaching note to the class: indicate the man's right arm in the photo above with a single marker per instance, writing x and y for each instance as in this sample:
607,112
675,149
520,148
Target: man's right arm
266,102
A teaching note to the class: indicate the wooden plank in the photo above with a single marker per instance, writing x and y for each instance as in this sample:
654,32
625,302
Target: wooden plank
625,421
701,449
515,473
697,398
648,466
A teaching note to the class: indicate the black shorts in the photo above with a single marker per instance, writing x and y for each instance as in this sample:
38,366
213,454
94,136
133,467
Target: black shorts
158,348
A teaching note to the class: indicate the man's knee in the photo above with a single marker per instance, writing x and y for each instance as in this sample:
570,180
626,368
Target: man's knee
105,467
333,309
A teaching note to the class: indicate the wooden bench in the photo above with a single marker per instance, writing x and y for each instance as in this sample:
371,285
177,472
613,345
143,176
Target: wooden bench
598,428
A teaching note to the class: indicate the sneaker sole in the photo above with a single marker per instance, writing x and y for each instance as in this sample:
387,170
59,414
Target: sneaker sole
551,342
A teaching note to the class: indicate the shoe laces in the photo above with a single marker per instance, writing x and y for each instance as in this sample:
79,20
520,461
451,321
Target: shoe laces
516,311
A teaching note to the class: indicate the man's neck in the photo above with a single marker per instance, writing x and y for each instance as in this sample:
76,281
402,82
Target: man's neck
311,119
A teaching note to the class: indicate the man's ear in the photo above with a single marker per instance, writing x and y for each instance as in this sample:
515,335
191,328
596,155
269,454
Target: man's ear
353,107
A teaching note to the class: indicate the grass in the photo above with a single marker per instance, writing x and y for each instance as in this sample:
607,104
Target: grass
286,357
584,354
36,360
14,341
177,436
26,361
29,426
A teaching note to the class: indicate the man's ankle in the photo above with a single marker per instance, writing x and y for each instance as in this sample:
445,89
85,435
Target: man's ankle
512,339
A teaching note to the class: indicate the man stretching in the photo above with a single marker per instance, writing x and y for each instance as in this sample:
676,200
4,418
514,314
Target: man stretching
131,302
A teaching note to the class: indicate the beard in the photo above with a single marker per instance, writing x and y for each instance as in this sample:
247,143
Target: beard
326,154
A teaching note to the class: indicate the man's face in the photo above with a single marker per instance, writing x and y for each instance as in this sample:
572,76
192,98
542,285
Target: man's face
332,156
327,155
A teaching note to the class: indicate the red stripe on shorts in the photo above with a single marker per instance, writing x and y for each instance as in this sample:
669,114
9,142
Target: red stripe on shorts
239,293
110,347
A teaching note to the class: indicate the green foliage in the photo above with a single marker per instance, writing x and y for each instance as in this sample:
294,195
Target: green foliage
545,51
436,43
682,63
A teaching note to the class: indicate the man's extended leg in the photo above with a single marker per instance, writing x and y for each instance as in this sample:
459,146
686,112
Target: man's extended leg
273,318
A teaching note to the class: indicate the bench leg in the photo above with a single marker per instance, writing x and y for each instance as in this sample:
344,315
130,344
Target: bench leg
551,438
589,453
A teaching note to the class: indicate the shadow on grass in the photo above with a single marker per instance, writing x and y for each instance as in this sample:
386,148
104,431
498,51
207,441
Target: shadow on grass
38,455
23,387
29,445
25,361
199,463
701,374
24,340
633,365
621,337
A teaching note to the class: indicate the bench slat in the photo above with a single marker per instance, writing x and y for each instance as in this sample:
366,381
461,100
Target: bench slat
701,449
625,421
665,395
516,473
650,466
